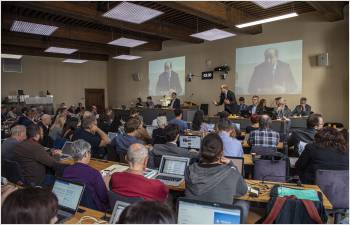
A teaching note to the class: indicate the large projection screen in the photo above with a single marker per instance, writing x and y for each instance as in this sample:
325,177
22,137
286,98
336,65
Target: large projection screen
167,76
269,69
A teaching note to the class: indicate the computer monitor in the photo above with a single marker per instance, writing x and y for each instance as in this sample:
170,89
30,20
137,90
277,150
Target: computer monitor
68,194
150,129
238,162
112,135
191,211
173,165
117,211
193,142
67,148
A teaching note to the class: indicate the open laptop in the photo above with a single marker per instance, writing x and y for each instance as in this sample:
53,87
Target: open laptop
190,142
69,195
150,129
117,211
66,150
112,135
172,170
191,211
211,127
238,162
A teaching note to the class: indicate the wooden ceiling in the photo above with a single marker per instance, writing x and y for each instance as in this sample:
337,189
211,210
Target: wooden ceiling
81,25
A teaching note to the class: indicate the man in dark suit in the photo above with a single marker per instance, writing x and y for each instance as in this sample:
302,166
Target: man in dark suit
175,102
272,76
303,109
242,106
227,98
168,80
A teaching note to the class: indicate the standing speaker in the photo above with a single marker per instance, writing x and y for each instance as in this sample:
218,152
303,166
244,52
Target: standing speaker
205,108
136,76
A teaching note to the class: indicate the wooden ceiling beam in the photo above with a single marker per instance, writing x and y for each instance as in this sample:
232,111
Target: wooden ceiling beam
215,12
331,11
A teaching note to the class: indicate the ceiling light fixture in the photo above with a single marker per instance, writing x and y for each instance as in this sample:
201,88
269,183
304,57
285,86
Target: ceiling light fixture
11,56
268,20
74,61
213,34
269,4
61,50
32,28
127,42
127,57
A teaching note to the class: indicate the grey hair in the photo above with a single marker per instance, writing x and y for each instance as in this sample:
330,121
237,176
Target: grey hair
18,130
162,121
87,121
79,149
137,153
265,122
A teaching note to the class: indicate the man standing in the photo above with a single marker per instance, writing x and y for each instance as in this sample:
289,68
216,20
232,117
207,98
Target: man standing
228,98
168,80
303,109
175,102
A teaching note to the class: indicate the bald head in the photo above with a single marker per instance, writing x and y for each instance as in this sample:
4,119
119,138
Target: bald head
265,122
224,88
137,154
46,119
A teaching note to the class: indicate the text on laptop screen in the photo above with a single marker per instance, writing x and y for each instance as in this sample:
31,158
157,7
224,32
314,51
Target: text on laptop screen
112,135
173,166
190,142
68,194
193,213
67,148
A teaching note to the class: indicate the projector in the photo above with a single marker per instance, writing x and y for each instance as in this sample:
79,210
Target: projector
224,68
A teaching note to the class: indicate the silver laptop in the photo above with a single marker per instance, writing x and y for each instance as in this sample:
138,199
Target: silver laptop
69,195
117,211
150,129
190,142
66,150
112,135
172,170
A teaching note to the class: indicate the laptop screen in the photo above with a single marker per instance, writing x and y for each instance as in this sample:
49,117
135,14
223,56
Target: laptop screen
199,213
68,194
193,142
117,211
175,166
112,135
211,127
67,148
238,162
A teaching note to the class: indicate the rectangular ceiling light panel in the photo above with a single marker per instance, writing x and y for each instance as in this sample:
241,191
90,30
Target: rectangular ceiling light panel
127,57
74,61
61,50
11,56
269,4
213,34
127,42
32,28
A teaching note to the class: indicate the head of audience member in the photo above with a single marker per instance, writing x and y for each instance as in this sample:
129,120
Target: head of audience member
139,100
277,100
24,110
86,113
315,121
162,113
265,122
149,99
271,56
94,109
63,111
224,88
147,212
173,95
241,100
172,132
134,113
63,105
109,114
198,119
262,103
71,124
303,101
80,104
255,100
71,109
59,122
132,126
33,205
137,157
89,123
178,114
18,132
46,120
167,67
34,132
31,114
225,126
224,115
212,149
254,119
13,109
81,151
329,137
162,121
3,109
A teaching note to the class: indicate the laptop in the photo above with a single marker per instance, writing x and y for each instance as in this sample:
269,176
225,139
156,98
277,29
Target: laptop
238,162
238,126
69,195
112,135
117,211
190,142
211,127
191,211
172,170
150,129
66,150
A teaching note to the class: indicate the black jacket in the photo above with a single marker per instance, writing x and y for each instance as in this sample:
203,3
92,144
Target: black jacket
164,84
232,107
299,111
47,140
176,105
306,135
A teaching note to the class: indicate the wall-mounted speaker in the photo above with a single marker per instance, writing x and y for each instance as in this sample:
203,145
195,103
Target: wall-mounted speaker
322,59
137,76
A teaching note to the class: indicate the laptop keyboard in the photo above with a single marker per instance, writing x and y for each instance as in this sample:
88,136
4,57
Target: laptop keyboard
162,177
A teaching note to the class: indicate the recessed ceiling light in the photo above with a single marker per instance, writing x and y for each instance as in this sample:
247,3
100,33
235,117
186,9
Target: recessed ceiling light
74,61
129,12
127,42
32,28
267,20
127,57
61,50
269,4
11,56
213,34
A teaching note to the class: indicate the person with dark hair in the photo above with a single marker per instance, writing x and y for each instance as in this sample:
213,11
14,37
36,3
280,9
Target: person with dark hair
303,109
30,206
149,102
261,108
147,212
242,105
80,108
302,136
198,123
252,108
3,113
175,102
329,151
254,119
45,124
224,115
282,111
178,120
69,128
139,102
105,120
11,115
265,136
232,147
27,117
228,98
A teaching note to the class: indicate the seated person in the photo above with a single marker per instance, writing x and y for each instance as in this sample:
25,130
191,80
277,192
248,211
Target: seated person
265,136
132,183
198,123
18,134
70,127
33,158
57,127
93,135
328,152
149,102
303,109
122,143
261,108
147,212
282,111
302,136
139,102
105,120
160,114
178,120
242,106
227,133
95,185
11,115
27,117
31,206
142,133
45,125
252,108
158,135
254,119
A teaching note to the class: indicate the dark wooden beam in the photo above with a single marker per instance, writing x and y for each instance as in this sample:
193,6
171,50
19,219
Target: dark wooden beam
331,11
81,34
215,12
81,11
20,50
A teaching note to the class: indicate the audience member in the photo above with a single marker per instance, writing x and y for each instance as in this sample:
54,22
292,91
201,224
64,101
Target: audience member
175,102
227,133
149,102
252,108
158,135
30,206
132,183
57,127
117,123
178,120
3,113
198,123
160,114
79,108
139,102
242,105
254,119
282,111
329,151
303,109
11,115
45,123
265,136
147,212
105,120
27,117
69,128
224,115
94,111
18,134
96,186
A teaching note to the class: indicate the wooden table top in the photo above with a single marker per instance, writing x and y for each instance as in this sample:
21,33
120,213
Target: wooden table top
88,212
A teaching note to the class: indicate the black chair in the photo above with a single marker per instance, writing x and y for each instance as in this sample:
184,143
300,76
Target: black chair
12,171
271,170
111,153
113,197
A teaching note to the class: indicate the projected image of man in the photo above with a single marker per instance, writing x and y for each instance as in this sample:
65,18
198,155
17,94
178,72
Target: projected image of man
272,76
168,81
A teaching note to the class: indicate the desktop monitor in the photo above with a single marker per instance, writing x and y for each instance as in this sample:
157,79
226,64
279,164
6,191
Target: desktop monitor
192,142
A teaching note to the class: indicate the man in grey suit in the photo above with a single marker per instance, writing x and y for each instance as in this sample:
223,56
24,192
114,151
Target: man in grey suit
168,80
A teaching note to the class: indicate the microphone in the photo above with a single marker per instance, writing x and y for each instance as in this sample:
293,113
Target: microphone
289,179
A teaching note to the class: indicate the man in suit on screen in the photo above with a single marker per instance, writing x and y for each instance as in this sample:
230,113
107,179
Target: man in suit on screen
168,80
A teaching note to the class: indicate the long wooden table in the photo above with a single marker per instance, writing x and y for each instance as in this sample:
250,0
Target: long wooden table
98,215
